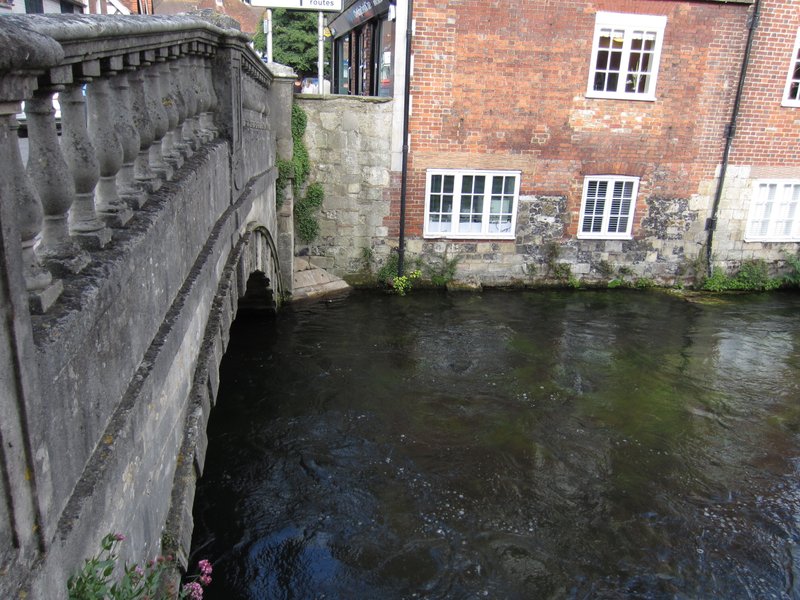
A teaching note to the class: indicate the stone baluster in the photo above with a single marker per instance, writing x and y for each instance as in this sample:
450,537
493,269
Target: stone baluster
144,125
50,175
191,125
178,94
42,289
102,128
169,151
160,120
208,99
128,134
80,156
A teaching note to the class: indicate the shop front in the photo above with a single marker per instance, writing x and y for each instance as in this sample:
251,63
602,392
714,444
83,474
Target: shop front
364,48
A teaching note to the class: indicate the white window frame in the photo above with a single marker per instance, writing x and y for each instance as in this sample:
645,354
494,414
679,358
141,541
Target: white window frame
793,76
774,214
607,215
459,194
629,25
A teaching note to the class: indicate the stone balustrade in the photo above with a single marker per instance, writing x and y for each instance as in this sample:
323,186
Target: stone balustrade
133,212
137,98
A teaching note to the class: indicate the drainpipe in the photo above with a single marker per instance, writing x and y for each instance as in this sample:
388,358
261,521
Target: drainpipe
730,131
401,251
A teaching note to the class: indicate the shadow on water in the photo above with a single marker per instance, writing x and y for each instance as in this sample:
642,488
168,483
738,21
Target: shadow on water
507,445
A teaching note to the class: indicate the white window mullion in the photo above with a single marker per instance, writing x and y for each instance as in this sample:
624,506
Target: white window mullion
432,226
791,94
774,214
623,67
651,29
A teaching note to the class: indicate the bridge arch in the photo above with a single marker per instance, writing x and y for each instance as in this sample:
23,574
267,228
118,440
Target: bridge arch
260,272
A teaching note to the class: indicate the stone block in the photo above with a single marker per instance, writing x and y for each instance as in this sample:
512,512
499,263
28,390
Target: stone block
350,121
330,121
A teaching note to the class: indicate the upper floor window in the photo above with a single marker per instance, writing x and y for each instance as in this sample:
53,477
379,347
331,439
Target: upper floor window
791,97
773,211
625,55
471,204
607,207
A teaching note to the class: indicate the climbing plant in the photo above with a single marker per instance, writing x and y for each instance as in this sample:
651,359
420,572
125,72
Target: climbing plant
305,209
296,170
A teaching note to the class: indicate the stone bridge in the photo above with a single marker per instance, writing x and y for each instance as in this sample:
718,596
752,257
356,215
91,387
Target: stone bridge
134,221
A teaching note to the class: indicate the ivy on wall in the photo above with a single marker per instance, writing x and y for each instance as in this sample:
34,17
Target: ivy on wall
296,171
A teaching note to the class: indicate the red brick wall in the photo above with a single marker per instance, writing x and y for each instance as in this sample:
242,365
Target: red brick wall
501,85
768,133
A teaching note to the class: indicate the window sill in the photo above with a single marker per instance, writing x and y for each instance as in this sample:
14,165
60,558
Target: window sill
470,237
635,97
790,103
604,236
760,240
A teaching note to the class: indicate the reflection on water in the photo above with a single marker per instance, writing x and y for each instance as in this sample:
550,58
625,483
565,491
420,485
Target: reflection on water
508,445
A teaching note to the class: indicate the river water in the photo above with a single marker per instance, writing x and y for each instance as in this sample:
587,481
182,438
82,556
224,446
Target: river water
590,444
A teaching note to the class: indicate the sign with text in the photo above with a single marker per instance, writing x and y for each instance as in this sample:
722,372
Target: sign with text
357,13
318,5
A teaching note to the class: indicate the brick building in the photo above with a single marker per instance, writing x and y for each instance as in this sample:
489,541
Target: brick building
592,133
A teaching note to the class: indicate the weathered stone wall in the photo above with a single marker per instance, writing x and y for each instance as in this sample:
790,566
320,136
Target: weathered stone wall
349,145
541,245
730,248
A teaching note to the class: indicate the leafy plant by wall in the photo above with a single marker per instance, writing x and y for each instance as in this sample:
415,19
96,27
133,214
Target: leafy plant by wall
305,211
296,171
753,275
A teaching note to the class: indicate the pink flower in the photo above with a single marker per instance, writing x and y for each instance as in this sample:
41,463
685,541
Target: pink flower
205,580
194,591
119,537
205,567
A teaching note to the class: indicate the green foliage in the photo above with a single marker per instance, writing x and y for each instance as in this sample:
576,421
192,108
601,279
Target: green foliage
562,271
305,213
616,283
294,40
299,122
402,283
285,175
551,253
314,195
305,218
753,275
443,273
792,278
302,164
644,282
605,268
625,271
97,579
388,275
389,270
297,170
694,269
367,256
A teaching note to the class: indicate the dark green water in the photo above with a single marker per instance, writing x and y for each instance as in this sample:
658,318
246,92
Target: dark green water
508,445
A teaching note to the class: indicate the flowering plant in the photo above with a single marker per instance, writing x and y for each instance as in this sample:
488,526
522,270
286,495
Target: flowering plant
96,580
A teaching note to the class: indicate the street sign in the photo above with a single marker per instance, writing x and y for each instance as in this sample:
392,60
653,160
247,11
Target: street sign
317,5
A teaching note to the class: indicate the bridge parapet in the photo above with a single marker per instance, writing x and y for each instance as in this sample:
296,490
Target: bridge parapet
131,217
137,97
